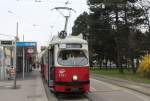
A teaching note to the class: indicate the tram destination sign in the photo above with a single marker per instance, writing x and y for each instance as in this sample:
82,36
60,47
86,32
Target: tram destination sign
70,46
26,44
74,46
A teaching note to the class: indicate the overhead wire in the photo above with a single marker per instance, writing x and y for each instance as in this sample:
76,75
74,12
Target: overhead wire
65,2
50,1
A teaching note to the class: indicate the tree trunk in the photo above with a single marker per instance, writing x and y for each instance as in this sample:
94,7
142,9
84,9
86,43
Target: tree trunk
133,66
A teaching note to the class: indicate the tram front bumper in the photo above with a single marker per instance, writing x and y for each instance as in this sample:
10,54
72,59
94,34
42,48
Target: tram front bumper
72,86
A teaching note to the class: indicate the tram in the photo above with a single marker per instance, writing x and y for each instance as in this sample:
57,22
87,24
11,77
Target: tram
65,64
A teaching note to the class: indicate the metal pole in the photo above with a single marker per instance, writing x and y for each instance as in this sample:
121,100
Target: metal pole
15,55
66,23
23,64
2,64
66,17
17,29
23,60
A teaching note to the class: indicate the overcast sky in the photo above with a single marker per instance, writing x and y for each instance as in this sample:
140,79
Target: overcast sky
36,19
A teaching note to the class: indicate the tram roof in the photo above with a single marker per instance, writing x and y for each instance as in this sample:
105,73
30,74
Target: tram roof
68,39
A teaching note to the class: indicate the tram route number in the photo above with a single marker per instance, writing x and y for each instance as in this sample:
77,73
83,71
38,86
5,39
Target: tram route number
61,75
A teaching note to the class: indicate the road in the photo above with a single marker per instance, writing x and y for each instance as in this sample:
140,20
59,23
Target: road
102,91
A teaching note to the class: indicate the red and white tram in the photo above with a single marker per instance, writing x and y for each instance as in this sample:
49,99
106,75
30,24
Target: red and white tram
65,65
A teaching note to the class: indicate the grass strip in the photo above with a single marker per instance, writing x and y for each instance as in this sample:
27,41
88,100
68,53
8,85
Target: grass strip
127,75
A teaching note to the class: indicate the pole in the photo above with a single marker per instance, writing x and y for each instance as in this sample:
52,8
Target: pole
15,64
23,60
23,64
2,64
66,23
15,56
66,17
17,28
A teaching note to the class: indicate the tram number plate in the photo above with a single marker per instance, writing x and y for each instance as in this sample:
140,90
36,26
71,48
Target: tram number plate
74,89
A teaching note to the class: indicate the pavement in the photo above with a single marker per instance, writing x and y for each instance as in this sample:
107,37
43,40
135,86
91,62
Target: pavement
29,89
138,87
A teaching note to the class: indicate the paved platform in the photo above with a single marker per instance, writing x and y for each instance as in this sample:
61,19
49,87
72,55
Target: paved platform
29,89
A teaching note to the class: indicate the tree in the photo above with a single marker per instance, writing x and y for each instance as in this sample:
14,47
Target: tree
81,25
113,28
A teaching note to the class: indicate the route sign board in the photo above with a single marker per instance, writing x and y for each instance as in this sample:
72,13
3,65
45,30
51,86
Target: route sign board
7,43
26,43
30,50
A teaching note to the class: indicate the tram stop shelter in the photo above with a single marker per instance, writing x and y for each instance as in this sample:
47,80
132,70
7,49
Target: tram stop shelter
7,58
26,56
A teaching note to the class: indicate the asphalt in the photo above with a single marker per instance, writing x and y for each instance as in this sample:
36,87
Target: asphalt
138,87
30,88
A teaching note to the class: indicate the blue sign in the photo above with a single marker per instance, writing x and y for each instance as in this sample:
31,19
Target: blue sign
26,43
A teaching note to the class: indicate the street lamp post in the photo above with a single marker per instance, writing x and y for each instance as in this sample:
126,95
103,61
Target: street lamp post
17,29
23,64
17,25
15,49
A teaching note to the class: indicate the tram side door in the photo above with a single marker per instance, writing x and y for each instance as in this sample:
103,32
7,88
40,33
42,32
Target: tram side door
50,67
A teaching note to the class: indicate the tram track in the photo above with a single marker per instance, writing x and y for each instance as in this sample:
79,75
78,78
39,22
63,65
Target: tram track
65,97
99,93
123,83
73,97
88,97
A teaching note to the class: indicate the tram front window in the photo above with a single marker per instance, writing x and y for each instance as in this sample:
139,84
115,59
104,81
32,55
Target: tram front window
72,58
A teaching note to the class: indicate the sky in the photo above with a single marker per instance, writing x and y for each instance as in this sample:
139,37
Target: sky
37,21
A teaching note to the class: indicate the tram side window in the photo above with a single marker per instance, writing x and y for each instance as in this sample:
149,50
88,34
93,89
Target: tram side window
72,58
51,61
52,57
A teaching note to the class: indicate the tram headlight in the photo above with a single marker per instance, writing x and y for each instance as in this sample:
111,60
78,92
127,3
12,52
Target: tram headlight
75,77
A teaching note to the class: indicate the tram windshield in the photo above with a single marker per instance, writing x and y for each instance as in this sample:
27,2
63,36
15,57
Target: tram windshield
72,58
